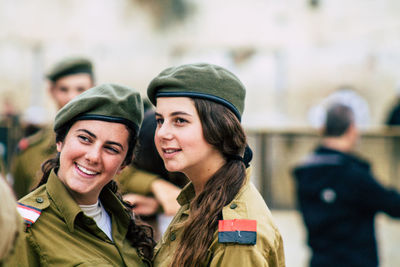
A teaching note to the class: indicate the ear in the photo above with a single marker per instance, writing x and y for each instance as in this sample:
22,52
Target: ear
51,86
352,129
321,130
121,169
59,146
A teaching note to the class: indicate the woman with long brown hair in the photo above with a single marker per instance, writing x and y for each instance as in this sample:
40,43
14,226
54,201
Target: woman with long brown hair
223,220
76,216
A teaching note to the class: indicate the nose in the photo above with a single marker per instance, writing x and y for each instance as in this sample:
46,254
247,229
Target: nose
72,94
92,155
163,132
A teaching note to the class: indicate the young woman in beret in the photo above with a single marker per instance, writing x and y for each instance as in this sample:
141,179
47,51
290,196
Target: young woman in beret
223,220
76,217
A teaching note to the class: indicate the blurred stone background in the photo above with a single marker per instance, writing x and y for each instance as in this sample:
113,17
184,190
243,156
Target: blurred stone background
289,53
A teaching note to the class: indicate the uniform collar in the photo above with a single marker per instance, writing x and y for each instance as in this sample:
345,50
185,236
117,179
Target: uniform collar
186,195
69,209
63,200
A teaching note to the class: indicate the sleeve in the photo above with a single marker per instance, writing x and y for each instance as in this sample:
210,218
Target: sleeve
23,253
371,195
133,180
239,255
249,255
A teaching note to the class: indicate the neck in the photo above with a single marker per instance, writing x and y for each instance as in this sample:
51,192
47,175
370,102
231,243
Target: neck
84,199
200,175
337,143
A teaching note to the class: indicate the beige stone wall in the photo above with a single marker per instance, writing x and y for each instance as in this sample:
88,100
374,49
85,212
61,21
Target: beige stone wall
289,54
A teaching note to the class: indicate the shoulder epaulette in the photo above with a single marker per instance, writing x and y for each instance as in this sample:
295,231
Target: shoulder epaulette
28,213
31,140
23,144
239,231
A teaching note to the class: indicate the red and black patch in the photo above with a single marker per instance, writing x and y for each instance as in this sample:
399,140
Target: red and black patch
239,231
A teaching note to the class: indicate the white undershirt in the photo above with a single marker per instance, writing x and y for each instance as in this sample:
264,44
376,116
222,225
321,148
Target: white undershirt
100,216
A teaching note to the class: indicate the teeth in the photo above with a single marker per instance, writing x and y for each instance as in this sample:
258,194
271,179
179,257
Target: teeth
84,170
170,150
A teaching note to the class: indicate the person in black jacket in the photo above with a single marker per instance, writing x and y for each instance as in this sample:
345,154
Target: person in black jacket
339,197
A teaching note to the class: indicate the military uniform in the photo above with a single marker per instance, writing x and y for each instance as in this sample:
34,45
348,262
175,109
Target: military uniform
247,205
134,180
338,198
59,234
26,166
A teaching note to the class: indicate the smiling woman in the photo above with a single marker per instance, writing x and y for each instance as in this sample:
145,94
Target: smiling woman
76,205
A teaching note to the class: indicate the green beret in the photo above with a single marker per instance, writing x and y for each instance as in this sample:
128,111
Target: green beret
69,66
106,102
201,80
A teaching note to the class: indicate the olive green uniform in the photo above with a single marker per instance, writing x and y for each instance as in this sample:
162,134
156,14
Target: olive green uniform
248,204
64,236
26,166
134,180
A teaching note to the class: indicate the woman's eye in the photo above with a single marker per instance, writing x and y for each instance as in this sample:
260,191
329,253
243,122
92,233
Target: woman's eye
112,149
159,121
83,138
180,121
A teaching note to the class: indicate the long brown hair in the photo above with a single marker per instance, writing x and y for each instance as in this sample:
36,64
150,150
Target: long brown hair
139,234
223,130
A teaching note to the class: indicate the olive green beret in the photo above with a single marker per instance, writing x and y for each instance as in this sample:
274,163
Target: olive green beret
200,80
69,66
106,102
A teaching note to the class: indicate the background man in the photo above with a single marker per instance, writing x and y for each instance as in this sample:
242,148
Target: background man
339,197
67,79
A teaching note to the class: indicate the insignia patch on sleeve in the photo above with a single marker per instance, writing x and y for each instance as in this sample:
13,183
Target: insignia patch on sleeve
28,213
237,231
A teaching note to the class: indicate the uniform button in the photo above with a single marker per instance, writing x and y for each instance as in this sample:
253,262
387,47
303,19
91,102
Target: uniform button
233,206
172,237
39,200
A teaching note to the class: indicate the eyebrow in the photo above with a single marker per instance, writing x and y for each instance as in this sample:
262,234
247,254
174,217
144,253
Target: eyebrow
94,136
175,113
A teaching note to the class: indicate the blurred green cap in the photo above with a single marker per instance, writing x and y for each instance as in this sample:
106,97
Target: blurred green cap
106,102
69,66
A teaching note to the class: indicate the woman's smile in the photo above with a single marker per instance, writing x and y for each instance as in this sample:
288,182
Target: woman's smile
84,171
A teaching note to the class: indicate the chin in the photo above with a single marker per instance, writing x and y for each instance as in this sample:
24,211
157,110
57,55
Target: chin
172,168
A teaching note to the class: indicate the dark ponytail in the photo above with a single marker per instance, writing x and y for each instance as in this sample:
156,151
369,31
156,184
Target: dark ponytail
223,130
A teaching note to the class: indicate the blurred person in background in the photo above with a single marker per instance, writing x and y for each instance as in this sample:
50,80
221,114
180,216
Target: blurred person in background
223,220
10,221
33,120
159,205
67,78
345,95
76,215
339,197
